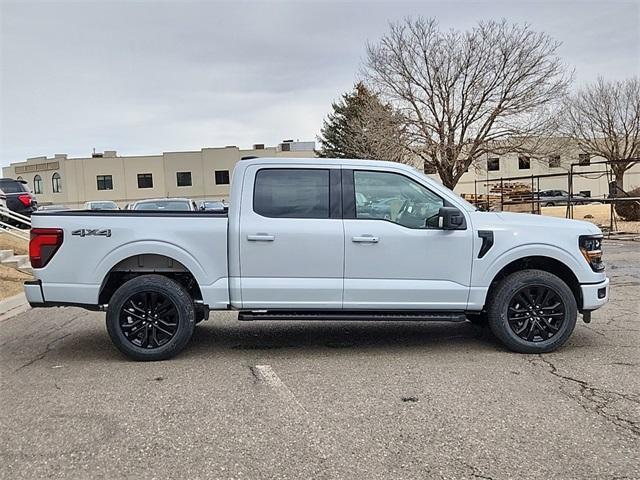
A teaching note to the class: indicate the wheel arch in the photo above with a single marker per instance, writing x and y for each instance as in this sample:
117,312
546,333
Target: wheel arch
539,262
147,264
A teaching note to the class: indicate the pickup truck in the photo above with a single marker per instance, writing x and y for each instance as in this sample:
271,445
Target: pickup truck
320,239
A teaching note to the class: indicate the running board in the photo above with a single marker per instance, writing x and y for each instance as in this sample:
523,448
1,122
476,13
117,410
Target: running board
340,315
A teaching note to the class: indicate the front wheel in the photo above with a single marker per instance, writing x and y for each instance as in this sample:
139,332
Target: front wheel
532,311
150,317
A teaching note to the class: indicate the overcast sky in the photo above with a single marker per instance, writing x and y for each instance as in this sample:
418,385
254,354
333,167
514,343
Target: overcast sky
147,77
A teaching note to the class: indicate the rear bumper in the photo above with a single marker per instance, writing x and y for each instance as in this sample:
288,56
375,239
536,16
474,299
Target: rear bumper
595,295
33,292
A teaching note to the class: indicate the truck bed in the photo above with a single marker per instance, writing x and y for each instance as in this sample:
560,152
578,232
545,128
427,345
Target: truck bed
192,242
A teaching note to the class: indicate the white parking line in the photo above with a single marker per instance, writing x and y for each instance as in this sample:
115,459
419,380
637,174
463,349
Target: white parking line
268,376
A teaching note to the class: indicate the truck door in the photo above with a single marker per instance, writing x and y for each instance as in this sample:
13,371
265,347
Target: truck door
396,257
291,238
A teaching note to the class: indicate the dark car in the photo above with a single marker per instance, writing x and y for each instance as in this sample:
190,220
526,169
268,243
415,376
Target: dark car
17,196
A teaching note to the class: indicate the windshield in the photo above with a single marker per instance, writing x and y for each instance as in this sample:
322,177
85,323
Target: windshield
173,205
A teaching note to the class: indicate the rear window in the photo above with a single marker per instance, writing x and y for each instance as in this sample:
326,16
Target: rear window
292,193
12,186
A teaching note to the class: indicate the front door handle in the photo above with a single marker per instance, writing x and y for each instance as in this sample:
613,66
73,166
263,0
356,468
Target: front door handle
365,239
261,237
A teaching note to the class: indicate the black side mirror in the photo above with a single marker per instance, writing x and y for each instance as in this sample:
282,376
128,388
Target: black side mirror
450,218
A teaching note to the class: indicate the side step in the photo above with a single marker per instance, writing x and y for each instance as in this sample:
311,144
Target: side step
346,315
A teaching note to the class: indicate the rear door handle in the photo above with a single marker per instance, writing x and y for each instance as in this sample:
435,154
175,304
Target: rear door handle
365,239
261,237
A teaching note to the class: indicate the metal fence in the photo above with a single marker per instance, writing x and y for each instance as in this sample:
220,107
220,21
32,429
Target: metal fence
14,224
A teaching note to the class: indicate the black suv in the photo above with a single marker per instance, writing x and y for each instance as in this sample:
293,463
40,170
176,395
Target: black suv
17,196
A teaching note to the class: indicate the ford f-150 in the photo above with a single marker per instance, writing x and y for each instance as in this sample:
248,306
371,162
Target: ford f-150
320,239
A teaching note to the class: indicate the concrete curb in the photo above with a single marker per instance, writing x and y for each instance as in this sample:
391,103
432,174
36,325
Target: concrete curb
13,306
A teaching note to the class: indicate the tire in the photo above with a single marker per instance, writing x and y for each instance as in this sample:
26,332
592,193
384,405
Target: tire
549,204
137,337
530,330
479,318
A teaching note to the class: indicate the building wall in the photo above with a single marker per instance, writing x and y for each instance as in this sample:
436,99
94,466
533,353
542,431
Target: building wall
79,182
79,175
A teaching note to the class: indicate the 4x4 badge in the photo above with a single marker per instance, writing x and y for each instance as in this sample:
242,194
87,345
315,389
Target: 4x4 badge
98,232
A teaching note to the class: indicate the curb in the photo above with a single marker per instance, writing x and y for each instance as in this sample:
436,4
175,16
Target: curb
13,306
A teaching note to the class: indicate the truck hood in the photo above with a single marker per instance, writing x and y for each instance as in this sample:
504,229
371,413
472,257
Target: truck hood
526,220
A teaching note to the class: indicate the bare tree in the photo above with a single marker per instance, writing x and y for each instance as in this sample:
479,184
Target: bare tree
604,120
463,95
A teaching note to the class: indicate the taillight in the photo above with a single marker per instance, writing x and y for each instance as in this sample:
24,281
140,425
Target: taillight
44,243
25,199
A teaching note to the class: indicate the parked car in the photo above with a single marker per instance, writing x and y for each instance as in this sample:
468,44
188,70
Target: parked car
164,204
213,206
550,198
17,197
295,246
101,205
53,208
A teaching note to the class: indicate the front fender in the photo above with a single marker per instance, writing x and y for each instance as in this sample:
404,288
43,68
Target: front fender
578,266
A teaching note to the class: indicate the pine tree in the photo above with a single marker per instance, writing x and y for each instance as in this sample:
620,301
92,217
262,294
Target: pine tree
361,126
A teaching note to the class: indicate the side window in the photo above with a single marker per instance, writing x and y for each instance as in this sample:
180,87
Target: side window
291,193
394,197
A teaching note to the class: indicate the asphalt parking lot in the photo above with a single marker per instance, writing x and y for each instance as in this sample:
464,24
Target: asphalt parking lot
334,400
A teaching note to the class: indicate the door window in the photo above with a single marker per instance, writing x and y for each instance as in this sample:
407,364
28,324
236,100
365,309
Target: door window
292,193
396,198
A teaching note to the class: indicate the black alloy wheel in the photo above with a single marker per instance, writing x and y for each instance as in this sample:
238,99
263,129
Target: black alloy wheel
532,311
536,313
149,319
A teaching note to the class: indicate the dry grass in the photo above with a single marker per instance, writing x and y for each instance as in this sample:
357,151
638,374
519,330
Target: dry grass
598,214
9,242
11,281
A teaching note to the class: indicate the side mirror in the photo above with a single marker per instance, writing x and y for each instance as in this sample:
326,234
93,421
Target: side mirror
450,218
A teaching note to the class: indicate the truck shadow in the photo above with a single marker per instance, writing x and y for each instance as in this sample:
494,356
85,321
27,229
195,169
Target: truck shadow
337,335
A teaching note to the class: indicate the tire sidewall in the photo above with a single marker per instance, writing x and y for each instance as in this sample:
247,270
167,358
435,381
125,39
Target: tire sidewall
499,305
176,293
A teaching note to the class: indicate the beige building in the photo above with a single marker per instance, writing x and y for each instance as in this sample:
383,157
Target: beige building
206,174
199,175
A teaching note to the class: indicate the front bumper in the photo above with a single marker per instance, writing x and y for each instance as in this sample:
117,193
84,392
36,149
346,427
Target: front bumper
594,295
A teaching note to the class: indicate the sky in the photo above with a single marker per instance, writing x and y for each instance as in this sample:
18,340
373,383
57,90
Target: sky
145,77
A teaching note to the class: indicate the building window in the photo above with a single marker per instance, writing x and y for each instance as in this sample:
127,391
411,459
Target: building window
183,179
222,177
584,159
493,164
56,181
145,180
524,163
105,182
37,184
430,169
554,161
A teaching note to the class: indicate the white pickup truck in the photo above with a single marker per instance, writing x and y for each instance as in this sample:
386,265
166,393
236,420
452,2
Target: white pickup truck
321,239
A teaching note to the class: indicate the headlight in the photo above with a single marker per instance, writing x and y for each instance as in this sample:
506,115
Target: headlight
591,248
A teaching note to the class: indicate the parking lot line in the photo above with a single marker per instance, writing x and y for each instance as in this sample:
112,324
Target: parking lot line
267,375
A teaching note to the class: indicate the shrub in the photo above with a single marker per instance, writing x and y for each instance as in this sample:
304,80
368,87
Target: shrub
629,210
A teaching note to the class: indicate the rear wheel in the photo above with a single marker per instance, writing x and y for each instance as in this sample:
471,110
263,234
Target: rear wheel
150,317
532,311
